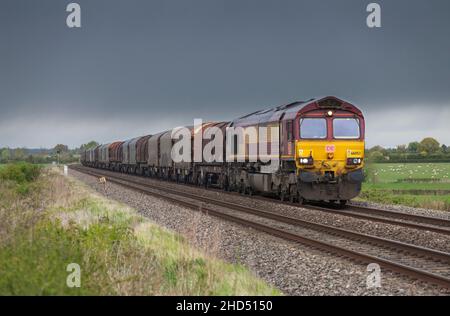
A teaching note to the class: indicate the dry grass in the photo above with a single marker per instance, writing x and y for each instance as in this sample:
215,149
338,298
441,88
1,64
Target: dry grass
18,211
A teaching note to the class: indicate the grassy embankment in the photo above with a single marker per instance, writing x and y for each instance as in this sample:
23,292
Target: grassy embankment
48,221
424,185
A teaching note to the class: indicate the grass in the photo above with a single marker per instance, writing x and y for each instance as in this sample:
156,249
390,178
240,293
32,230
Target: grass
60,221
417,184
409,186
21,175
392,173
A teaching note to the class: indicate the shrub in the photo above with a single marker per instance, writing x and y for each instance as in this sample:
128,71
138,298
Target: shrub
20,173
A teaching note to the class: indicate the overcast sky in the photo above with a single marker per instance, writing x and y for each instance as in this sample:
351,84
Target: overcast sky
139,67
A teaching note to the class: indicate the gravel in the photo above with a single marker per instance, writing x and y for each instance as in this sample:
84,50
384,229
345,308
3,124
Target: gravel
293,268
405,209
404,234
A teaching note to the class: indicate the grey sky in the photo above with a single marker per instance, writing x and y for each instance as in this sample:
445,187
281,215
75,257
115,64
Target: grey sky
138,67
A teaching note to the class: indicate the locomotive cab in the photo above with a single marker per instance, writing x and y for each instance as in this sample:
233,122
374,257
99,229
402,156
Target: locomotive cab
329,150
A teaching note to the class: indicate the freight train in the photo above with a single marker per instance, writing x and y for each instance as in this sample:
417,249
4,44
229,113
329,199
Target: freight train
319,154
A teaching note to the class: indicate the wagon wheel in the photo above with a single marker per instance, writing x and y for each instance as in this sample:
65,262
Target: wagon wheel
282,195
227,185
208,183
292,198
293,194
242,188
223,183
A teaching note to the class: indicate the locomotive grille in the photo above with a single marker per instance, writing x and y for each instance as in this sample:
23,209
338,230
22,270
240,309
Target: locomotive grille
330,103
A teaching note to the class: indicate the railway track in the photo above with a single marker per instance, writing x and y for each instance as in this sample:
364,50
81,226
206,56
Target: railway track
426,223
417,262
433,224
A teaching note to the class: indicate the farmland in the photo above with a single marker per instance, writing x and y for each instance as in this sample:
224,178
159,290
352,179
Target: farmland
416,184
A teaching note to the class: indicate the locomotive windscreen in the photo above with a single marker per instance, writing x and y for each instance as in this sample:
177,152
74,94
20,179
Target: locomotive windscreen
346,128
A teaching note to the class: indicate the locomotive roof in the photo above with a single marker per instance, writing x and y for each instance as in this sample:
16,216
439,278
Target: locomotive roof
290,111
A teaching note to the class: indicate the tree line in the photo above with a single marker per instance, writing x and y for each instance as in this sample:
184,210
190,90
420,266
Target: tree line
427,150
60,153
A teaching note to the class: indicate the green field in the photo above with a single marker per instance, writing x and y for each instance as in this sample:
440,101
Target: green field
416,184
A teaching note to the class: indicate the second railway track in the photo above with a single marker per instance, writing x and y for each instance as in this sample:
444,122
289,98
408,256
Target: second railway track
433,224
417,262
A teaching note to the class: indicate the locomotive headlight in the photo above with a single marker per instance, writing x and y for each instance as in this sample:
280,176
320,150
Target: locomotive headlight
306,161
354,161
330,113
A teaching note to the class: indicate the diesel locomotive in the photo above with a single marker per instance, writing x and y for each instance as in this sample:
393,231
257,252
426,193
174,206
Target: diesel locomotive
319,156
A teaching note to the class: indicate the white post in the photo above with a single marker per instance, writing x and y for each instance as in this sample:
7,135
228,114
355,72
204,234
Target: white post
66,170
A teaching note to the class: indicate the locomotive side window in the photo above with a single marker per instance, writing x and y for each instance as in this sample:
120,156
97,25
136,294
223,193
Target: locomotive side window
289,131
346,128
313,128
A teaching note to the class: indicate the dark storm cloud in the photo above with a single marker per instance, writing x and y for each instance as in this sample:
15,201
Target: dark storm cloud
141,66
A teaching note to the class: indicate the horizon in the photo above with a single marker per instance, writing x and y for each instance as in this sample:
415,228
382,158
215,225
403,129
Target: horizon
108,142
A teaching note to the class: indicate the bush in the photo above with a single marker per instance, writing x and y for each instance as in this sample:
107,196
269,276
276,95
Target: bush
21,172
21,176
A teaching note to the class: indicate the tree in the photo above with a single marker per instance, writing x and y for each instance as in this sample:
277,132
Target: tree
91,144
413,147
60,148
376,156
401,148
378,148
429,145
5,155
19,154
444,148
